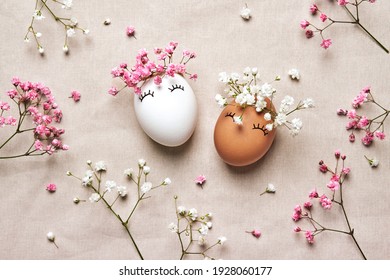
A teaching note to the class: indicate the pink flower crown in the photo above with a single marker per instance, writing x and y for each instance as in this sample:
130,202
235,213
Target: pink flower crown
145,68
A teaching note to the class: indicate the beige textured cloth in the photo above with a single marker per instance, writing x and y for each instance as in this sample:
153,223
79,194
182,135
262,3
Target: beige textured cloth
101,127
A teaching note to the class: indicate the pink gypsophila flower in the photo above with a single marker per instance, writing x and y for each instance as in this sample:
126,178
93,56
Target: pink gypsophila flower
51,187
325,202
113,91
309,34
297,229
313,194
307,205
194,77
304,23
368,138
313,9
157,80
334,183
75,95
342,2
256,233
380,135
326,43
4,106
200,180
130,30
323,17
309,236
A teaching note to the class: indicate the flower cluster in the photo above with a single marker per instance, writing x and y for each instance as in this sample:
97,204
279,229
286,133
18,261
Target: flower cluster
247,90
352,9
70,23
35,100
92,180
335,185
373,127
195,227
145,69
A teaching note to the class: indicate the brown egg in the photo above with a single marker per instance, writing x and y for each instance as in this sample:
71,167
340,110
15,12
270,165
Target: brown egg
241,145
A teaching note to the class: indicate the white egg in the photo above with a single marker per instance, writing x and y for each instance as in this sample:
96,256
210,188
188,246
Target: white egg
167,112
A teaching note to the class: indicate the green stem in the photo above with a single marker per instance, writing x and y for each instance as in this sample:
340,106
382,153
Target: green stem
124,224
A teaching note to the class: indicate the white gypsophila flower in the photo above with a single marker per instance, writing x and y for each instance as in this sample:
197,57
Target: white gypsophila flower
269,126
245,13
50,236
374,162
222,239
65,49
284,108
128,172
203,230
26,40
86,31
209,215
247,71
89,173
70,32
254,71
294,74
240,99
267,116
255,89
94,197
250,99
100,166
267,90
107,21
181,210
86,181
209,224
141,162
41,50
280,119
74,20
202,240
67,4
122,190
193,214
146,170
296,123
146,187
235,76
38,34
260,104
288,100
89,162
221,101
167,182
110,185
246,79
308,103
223,77
38,15
237,120
173,227
270,188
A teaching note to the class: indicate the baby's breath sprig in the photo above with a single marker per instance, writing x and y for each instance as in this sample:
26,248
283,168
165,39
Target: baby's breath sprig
191,227
92,180
70,24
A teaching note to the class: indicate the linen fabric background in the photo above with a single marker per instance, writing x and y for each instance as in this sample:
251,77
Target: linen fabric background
101,127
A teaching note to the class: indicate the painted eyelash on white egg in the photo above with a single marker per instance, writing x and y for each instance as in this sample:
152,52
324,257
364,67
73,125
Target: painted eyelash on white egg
142,96
176,87
263,129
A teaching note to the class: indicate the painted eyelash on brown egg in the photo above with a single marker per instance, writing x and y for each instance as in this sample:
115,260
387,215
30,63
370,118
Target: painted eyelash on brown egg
142,96
230,114
263,129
